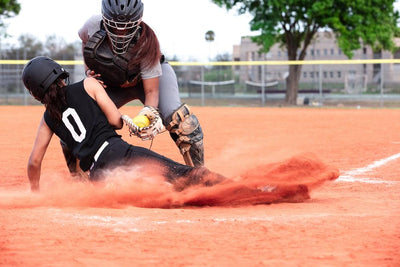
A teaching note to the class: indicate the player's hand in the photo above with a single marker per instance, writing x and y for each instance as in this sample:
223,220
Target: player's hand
156,126
91,73
35,187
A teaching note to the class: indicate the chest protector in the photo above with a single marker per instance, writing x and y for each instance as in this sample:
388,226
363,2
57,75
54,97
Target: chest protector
115,69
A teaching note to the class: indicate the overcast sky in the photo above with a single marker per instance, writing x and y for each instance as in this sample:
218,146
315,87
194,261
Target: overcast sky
179,24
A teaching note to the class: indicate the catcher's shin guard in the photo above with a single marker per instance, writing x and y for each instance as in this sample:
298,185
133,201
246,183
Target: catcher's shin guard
185,130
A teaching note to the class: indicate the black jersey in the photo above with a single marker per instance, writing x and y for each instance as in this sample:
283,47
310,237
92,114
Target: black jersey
84,127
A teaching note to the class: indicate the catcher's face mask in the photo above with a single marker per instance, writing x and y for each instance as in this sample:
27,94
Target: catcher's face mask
121,33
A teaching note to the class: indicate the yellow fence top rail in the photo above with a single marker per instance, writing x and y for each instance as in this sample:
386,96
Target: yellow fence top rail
240,63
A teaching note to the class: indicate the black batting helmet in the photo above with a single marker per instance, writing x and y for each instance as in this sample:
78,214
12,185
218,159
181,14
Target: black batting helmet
121,19
39,73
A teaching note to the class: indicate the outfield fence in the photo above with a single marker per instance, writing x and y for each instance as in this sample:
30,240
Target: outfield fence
322,82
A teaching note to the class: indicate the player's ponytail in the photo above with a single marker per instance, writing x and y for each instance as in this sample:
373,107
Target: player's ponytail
146,48
54,99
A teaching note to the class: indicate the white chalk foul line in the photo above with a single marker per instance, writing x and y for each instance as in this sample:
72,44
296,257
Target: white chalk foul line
350,176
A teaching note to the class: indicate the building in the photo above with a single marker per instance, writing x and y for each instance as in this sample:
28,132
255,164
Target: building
323,47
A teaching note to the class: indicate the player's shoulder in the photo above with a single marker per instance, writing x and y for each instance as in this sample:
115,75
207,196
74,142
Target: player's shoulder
91,26
91,84
94,19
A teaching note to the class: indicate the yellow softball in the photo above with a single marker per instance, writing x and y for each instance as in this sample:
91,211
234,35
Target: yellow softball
141,121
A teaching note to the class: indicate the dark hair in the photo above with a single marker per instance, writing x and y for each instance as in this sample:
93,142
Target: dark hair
54,99
146,49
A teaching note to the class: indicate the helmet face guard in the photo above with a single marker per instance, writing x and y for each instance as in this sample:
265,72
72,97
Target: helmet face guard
121,33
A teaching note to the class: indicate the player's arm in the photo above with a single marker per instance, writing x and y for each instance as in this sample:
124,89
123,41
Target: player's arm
42,141
150,110
151,81
151,91
97,92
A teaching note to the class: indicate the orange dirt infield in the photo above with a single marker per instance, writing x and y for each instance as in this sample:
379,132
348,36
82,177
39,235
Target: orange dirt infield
349,158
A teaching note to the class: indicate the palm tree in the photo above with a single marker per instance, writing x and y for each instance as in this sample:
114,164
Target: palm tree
210,36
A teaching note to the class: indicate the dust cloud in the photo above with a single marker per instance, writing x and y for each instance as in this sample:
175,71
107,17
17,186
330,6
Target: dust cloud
290,180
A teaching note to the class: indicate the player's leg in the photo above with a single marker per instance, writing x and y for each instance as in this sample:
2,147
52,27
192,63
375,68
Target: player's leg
119,153
69,158
73,163
121,96
183,125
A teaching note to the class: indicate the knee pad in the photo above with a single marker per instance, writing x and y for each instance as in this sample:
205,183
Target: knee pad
184,123
185,130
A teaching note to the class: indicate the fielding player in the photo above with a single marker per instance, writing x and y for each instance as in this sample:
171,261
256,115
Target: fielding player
123,52
84,117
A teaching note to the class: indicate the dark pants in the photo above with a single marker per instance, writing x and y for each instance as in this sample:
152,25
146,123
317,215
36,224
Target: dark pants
119,153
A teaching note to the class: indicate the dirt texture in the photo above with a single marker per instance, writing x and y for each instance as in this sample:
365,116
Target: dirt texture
307,187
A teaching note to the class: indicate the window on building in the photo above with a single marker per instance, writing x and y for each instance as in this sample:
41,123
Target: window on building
331,74
325,74
339,51
325,51
304,74
352,73
312,52
317,52
339,74
332,51
311,74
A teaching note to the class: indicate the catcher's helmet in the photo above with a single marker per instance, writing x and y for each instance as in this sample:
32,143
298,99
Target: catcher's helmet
39,73
121,19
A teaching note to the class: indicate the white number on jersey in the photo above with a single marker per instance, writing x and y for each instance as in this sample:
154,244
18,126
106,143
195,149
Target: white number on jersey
71,113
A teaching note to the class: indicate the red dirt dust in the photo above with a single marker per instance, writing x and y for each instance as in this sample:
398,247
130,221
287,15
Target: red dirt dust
306,187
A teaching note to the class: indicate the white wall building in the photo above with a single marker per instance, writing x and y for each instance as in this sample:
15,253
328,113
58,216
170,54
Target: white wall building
324,47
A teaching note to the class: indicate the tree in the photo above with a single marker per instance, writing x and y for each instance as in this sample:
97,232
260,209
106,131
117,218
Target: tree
28,47
8,9
294,23
223,57
210,36
57,48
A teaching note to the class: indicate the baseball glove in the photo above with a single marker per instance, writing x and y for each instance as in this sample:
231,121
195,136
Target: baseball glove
149,132
133,128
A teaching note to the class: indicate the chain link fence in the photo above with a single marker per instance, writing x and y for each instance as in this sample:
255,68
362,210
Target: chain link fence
361,83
